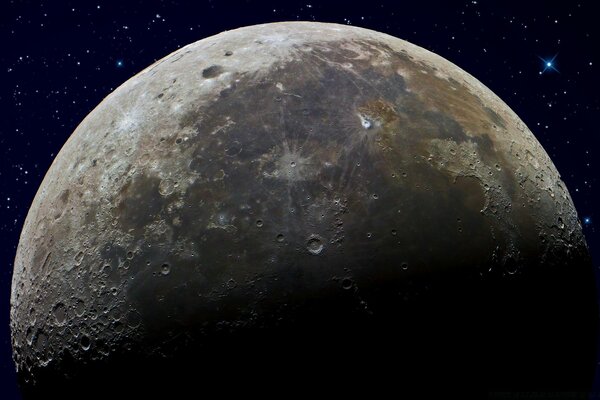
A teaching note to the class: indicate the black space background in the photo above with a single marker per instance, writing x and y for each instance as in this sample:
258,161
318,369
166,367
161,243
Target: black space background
58,60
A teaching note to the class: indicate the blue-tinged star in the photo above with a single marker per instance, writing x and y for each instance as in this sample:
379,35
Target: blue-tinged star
549,64
119,63
587,220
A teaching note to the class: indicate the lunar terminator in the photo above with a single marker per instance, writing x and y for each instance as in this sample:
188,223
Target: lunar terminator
302,194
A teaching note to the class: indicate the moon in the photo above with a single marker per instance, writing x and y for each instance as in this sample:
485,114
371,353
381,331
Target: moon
302,204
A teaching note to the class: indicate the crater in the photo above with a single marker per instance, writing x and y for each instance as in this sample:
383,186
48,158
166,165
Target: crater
212,72
314,245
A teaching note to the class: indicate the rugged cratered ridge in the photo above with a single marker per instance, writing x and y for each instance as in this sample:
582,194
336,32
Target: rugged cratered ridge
298,194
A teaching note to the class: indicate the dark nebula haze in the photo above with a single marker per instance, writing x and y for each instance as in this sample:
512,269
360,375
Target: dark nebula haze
60,60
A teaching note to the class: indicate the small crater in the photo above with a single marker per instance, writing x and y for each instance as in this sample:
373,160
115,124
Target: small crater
347,283
61,204
165,269
60,313
29,336
178,140
314,245
394,232
79,308
365,121
118,327
133,319
280,238
129,255
404,266
85,343
233,149
511,266
166,187
40,341
212,71
375,196
228,53
259,223
79,258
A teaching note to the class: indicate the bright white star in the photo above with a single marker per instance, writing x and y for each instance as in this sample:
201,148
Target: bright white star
549,64
587,220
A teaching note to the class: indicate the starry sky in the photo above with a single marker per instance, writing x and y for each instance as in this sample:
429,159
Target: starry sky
60,59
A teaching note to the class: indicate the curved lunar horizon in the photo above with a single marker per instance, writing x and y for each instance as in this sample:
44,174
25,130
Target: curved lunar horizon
289,187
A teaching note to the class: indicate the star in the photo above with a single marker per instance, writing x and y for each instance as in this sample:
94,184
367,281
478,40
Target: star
587,221
548,64
119,64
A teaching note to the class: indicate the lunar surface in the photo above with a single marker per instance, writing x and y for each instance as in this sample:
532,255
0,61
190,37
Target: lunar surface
299,204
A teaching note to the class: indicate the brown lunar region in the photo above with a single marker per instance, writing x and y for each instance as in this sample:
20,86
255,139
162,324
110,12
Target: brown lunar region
299,205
